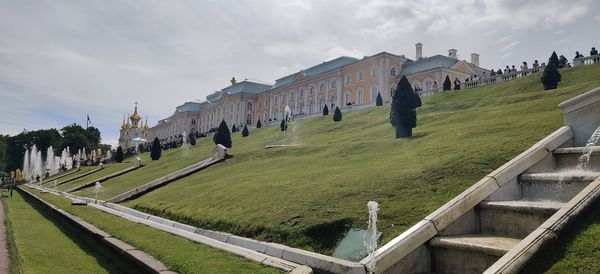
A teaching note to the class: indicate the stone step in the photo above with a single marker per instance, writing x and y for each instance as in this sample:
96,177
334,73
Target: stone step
470,253
568,158
514,218
556,186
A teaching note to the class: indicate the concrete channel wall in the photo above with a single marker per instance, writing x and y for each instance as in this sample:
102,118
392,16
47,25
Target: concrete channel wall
102,179
128,257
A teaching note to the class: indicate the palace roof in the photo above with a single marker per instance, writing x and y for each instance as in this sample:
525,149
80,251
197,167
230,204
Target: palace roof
436,61
316,70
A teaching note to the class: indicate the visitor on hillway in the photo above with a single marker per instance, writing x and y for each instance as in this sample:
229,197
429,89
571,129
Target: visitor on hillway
535,65
524,69
594,53
562,61
507,70
578,55
499,72
11,185
492,73
456,84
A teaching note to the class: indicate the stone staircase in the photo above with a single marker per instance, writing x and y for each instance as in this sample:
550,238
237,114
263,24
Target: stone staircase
502,221
494,227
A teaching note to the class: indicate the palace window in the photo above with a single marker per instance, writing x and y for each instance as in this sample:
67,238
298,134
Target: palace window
360,76
333,84
393,72
249,106
374,72
359,96
311,90
348,79
302,93
322,87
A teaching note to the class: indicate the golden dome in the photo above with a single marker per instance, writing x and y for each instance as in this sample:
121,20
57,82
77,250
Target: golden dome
135,117
127,125
123,125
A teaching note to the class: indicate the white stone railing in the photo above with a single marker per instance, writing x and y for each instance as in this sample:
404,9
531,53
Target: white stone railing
584,61
499,78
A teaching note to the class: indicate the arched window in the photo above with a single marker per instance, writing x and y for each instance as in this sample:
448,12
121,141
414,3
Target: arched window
348,79
300,108
393,72
322,87
321,104
276,100
311,90
293,95
333,102
374,72
249,106
374,91
359,96
193,121
348,98
311,106
360,76
249,119
333,84
428,84
302,93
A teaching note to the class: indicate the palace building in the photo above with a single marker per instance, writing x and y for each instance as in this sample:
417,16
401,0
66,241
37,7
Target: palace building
346,82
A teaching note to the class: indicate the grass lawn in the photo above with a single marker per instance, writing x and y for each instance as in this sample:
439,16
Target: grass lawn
49,181
44,247
181,255
170,161
107,170
308,196
577,250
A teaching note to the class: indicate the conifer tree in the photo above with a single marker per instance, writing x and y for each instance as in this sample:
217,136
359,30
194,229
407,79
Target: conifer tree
337,115
447,83
403,115
119,155
554,60
245,131
223,136
325,110
233,129
155,151
379,101
550,77
258,124
192,139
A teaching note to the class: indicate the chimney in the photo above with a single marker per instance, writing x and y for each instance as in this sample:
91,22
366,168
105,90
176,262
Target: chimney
419,51
475,59
452,53
233,81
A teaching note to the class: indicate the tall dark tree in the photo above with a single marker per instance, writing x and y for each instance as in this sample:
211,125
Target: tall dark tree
447,83
245,131
551,77
155,150
379,101
403,115
258,124
234,129
223,136
92,135
192,138
337,114
3,140
119,155
554,60
325,110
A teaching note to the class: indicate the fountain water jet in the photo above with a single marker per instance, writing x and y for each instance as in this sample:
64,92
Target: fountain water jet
584,159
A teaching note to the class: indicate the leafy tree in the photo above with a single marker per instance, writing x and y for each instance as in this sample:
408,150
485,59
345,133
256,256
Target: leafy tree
105,147
155,150
551,77
403,115
223,136
15,150
3,139
192,138
119,155
258,124
337,114
245,131
74,137
92,135
234,129
325,110
379,101
447,83
554,60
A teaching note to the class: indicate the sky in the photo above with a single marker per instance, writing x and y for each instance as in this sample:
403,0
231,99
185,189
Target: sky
63,59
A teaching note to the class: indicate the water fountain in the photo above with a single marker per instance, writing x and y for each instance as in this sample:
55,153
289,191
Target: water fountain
584,159
98,190
55,185
286,124
371,238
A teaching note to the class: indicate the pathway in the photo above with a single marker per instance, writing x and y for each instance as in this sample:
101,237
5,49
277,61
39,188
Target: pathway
3,248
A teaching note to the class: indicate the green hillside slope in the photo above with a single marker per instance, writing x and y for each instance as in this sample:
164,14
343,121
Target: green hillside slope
308,196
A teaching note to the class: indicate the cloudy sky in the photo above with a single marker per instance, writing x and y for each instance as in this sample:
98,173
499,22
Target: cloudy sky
60,60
